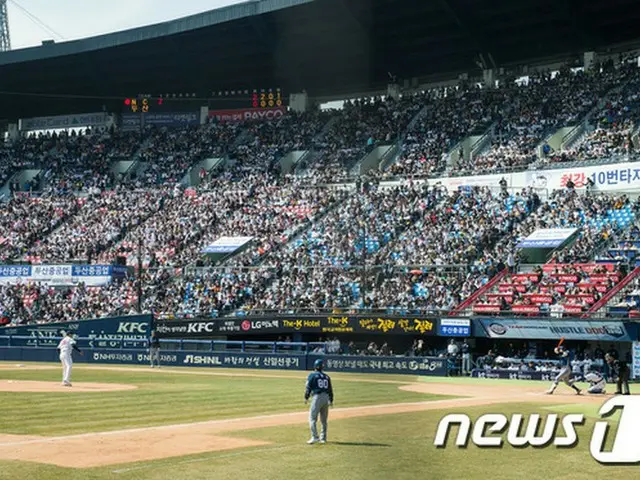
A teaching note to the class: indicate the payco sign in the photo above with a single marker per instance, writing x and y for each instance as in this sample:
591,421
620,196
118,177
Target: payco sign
242,115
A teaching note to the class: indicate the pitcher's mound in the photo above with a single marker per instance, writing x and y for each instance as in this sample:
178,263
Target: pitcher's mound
33,386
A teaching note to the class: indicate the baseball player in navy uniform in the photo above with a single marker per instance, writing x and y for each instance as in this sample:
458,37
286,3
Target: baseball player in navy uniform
319,389
154,349
597,383
619,370
566,374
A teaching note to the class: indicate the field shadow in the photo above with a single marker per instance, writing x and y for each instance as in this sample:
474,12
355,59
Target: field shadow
361,444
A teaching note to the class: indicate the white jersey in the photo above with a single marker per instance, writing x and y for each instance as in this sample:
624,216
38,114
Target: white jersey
65,346
594,378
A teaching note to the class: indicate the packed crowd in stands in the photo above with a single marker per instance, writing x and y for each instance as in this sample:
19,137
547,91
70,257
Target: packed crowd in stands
449,116
568,283
465,231
100,221
405,247
359,127
323,268
267,208
544,104
40,303
614,129
25,220
267,142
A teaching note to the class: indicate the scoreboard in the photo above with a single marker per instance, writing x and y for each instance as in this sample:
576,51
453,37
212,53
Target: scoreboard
266,98
221,99
141,104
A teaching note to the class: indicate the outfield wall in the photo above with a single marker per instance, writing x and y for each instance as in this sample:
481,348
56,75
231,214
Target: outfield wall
429,366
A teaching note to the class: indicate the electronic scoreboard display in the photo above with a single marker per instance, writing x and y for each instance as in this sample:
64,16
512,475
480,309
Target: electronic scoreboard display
219,99
266,98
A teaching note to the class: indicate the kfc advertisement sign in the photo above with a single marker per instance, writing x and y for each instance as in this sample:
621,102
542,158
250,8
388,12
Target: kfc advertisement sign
248,114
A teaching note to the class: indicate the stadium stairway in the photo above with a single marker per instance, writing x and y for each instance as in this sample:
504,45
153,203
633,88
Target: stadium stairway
612,293
465,304
383,156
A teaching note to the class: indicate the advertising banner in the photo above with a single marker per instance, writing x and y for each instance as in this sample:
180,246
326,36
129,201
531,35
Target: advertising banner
174,359
426,366
61,275
547,238
517,375
430,366
455,327
132,121
128,332
242,115
555,329
99,119
613,177
619,176
227,244
321,324
636,360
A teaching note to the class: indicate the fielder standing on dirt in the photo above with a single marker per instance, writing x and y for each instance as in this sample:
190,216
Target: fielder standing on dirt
319,389
65,347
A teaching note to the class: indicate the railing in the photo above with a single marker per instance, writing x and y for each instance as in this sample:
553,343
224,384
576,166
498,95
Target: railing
613,292
626,157
390,156
481,291
489,171
167,345
572,135
482,142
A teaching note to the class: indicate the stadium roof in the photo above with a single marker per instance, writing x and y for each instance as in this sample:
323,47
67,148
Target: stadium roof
327,47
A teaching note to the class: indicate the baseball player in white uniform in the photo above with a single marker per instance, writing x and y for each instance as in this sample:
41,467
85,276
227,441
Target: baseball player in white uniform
66,345
597,383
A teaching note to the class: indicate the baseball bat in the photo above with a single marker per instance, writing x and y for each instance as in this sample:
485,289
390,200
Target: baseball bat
560,342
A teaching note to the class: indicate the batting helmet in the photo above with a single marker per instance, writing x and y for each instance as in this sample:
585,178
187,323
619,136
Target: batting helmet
318,364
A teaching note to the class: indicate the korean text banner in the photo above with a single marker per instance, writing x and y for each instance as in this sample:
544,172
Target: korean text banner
430,366
61,275
621,176
555,329
140,356
203,328
517,375
455,327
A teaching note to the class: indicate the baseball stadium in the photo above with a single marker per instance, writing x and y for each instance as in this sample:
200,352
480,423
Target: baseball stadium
344,239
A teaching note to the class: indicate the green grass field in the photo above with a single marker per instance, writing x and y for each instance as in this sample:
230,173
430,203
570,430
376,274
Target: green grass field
393,446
